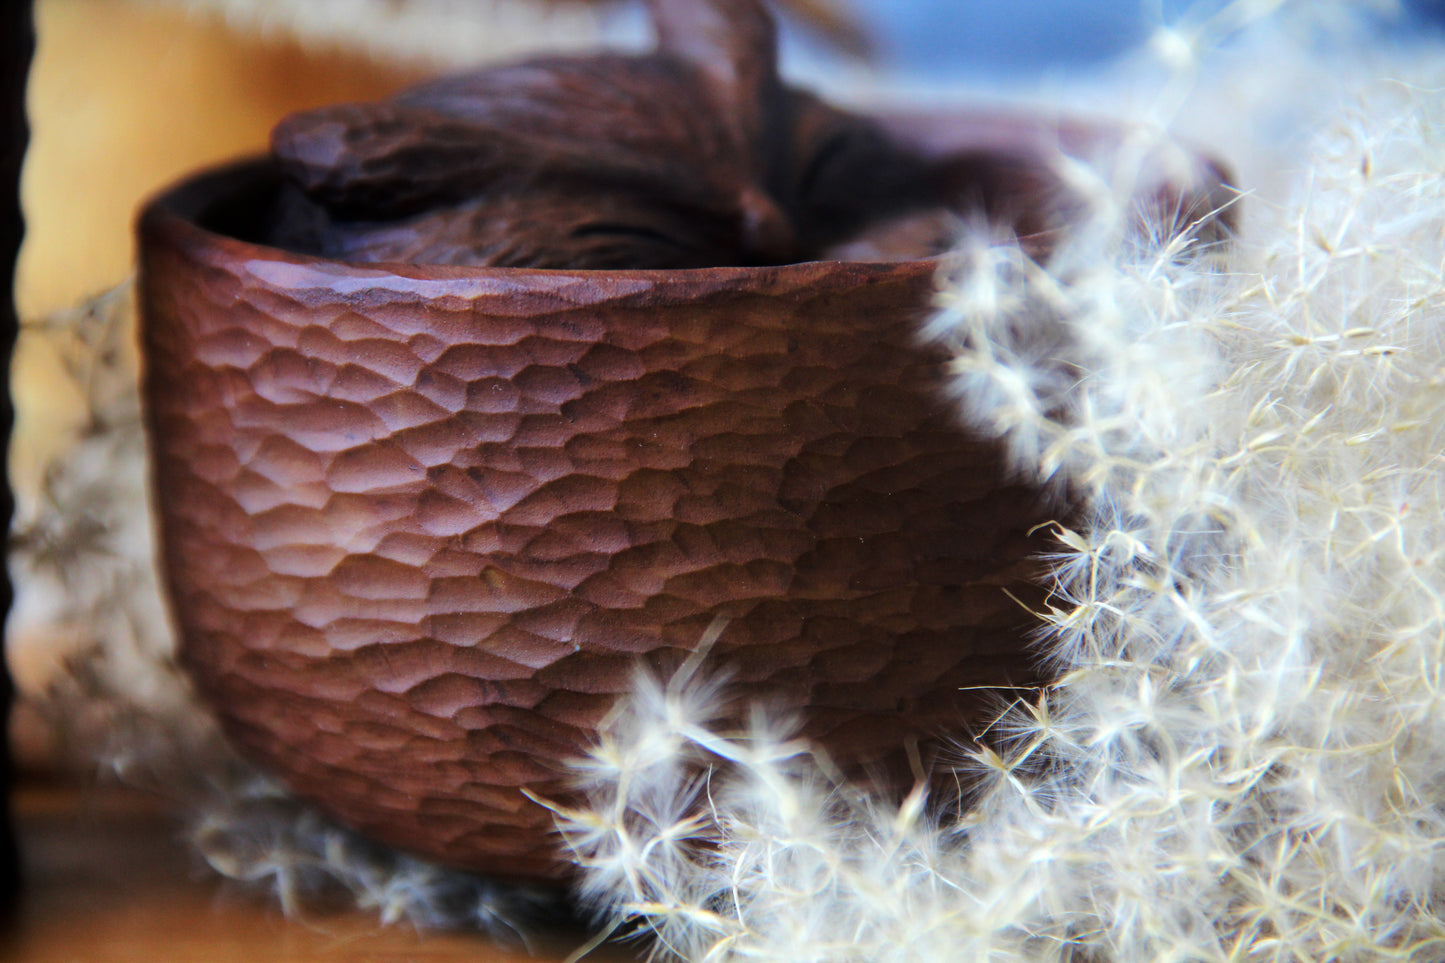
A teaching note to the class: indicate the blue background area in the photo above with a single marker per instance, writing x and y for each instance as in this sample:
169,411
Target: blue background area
957,38
962,40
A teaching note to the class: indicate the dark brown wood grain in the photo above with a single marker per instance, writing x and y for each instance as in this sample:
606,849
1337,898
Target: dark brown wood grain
696,155
422,524
437,474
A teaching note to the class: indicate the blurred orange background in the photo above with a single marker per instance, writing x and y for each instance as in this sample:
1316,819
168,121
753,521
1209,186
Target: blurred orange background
127,96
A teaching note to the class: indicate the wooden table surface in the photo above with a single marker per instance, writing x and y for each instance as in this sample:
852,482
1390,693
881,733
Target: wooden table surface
108,880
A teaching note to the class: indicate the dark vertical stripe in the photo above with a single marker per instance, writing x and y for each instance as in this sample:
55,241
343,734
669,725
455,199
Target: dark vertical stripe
17,45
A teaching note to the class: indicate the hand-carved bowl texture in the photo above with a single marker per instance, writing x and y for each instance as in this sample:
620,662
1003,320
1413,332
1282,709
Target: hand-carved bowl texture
421,523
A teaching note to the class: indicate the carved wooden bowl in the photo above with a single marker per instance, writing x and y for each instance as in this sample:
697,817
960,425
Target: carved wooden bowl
421,523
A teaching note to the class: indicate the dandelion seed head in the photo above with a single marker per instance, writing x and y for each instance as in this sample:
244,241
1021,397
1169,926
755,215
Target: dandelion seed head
1241,753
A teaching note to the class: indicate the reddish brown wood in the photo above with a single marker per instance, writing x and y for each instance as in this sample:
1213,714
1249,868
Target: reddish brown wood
696,155
422,522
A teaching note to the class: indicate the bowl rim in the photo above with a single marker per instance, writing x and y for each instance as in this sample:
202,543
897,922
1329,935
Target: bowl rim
174,220
175,215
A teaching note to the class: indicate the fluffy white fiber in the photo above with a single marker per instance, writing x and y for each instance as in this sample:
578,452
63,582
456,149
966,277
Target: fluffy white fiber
1243,757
